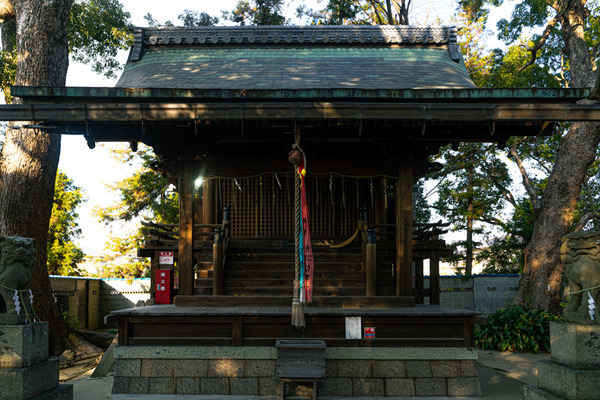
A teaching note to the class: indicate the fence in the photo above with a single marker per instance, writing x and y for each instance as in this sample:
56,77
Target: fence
90,299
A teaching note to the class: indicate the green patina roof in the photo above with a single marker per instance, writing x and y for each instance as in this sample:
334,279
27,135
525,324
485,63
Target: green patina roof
209,59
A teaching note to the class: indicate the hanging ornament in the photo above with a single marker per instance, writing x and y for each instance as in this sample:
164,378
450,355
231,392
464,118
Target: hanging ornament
278,182
238,185
331,188
371,187
17,303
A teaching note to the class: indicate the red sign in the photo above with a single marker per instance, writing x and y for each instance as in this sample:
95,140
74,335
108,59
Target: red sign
370,332
164,286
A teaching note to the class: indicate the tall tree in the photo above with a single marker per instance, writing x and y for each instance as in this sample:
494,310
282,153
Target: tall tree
257,12
29,159
356,12
63,253
568,32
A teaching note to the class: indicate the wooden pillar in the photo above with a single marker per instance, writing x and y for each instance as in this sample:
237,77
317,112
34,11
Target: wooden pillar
371,263
419,281
404,229
153,267
209,202
434,276
218,263
379,200
186,227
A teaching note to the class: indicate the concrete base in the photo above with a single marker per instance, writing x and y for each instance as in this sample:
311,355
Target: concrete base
574,369
23,345
250,371
25,383
61,392
575,345
535,393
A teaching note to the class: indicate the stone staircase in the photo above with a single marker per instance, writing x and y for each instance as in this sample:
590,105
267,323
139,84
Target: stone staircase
266,268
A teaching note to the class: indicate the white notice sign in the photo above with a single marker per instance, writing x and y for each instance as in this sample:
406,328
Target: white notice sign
353,328
165,258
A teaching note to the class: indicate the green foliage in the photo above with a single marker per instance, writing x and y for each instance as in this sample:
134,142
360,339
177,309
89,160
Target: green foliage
359,12
8,71
63,253
514,329
71,320
143,195
257,12
188,18
97,30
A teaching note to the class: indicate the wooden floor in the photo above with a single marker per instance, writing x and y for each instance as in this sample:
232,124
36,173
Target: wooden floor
253,325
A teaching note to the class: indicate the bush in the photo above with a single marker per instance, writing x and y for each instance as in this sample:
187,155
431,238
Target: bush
517,330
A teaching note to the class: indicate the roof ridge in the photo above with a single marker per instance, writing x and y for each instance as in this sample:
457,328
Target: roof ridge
293,35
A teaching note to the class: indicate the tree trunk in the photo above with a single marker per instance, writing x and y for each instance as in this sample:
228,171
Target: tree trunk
30,158
540,284
469,242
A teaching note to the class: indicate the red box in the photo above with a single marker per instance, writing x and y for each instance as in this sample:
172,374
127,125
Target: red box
164,286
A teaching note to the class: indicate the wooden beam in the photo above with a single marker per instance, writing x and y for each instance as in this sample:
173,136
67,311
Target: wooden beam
404,230
186,227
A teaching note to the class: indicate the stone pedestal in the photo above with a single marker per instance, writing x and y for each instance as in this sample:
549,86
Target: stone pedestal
574,369
25,370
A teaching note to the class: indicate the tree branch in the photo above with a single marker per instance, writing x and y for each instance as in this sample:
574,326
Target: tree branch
505,192
584,220
538,45
535,201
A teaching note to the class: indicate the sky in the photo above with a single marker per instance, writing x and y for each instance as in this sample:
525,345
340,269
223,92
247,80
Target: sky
93,169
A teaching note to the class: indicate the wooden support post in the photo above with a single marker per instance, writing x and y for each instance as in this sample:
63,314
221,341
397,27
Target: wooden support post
218,263
208,201
153,268
186,227
419,281
371,261
434,277
379,200
404,229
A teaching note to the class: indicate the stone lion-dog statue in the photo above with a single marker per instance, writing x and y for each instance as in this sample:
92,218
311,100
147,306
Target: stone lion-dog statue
17,260
580,255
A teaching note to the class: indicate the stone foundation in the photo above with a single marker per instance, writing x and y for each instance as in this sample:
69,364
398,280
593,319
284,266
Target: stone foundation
250,371
25,370
574,369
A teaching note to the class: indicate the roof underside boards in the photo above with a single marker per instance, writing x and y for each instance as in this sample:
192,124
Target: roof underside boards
293,58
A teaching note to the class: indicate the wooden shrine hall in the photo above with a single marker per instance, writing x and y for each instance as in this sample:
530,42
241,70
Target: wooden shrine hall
367,106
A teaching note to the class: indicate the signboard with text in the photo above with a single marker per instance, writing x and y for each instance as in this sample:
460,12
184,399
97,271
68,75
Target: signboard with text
165,258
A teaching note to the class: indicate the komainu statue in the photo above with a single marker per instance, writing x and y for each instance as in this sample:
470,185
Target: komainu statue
580,255
17,260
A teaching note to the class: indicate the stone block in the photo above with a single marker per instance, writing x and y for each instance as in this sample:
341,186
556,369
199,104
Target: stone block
188,385
568,382
399,387
190,368
368,387
468,368
260,368
243,386
128,368
354,369
575,345
418,369
138,385
120,385
338,387
217,386
269,387
23,345
226,368
24,383
61,392
464,387
535,393
389,369
446,369
430,387
152,368
162,386
331,368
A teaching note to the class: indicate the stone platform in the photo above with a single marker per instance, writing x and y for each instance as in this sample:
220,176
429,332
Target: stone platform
250,371
25,370
574,369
